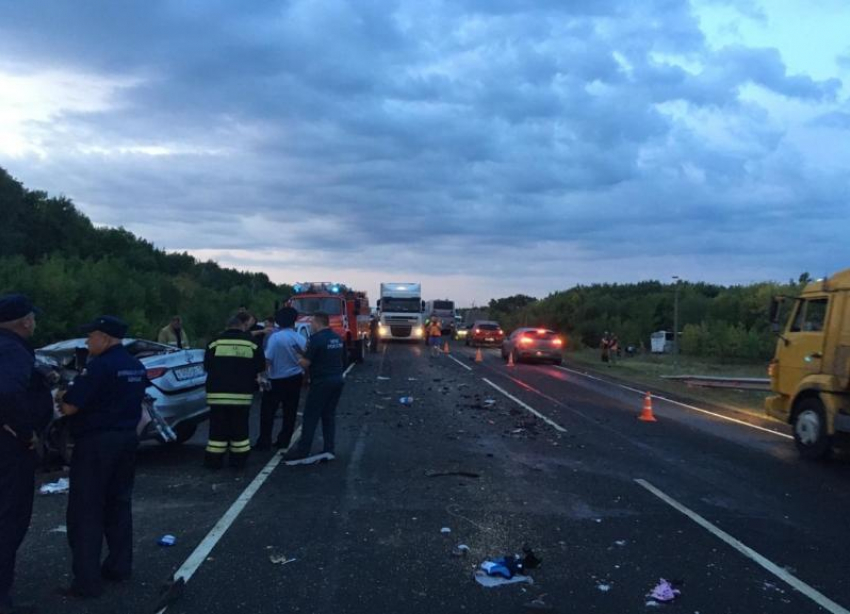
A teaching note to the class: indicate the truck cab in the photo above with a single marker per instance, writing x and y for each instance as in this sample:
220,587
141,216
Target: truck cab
810,371
400,312
444,311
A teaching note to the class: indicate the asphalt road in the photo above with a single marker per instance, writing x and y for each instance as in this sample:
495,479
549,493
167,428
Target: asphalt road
555,467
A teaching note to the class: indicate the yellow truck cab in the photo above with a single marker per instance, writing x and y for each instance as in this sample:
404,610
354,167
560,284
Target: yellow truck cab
810,371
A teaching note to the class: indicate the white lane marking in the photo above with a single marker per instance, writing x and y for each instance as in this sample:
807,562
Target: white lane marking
679,403
200,554
202,551
467,367
551,423
810,592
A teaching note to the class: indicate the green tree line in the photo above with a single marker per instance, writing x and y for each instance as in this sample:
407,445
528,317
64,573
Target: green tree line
728,323
75,271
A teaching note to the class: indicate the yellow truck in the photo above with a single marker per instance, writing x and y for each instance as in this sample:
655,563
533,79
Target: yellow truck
810,371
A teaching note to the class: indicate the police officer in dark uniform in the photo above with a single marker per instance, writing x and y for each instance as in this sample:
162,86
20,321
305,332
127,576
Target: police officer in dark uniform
104,405
26,406
324,361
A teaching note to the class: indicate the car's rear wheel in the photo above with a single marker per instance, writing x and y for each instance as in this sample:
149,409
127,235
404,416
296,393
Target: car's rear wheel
184,432
810,432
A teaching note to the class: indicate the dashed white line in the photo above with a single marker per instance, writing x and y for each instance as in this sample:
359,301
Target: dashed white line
810,592
679,403
467,367
527,407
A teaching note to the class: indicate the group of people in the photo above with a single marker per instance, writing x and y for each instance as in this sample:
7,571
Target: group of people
610,347
237,362
103,407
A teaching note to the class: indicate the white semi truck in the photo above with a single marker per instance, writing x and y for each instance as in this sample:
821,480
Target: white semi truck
443,310
400,311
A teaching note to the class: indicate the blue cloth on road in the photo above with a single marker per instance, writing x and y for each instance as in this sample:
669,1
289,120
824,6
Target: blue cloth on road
283,350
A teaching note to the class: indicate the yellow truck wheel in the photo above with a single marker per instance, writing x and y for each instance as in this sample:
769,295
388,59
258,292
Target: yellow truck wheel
810,430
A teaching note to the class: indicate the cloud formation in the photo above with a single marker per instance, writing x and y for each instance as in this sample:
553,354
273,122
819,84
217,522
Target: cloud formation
491,146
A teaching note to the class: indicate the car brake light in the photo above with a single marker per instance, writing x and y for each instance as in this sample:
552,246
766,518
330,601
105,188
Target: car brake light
525,340
156,372
558,342
476,331
541,331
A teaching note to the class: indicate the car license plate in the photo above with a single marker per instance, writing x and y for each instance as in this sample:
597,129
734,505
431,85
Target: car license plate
190,372
489,339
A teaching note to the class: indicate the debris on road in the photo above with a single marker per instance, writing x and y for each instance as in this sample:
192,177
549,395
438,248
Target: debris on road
603,586
311,460
406,401
60,486
60,529
167,540
440,474
664,592
461,550
490,581
538,604
280,559
620,542
445,530
383,378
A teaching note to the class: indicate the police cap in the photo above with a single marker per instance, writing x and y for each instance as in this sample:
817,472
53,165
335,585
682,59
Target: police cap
112,326
15,306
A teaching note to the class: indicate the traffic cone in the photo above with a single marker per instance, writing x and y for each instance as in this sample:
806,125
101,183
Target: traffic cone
511,359
446,347
478,356
647,415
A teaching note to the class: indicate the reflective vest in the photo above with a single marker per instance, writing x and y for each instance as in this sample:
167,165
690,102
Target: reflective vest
232,362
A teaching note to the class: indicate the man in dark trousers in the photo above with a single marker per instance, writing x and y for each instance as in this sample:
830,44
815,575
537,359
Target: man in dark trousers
25,409
324,362
284,349
104,406
233,361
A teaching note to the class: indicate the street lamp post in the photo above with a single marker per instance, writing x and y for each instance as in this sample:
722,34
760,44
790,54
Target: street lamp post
676,325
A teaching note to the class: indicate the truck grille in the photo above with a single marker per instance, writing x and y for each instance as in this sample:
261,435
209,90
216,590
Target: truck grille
401,331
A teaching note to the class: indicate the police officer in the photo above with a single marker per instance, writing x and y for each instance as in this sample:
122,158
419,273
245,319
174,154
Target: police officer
104,406
233,361
324,360
25,409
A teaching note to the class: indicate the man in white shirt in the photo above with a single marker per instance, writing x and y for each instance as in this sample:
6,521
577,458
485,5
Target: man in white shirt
283,349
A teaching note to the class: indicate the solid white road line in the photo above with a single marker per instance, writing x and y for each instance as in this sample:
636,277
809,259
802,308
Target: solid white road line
202,551
551,423
810,592
679,403
467,367
200,554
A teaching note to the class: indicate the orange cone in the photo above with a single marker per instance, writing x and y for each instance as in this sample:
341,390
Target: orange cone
478,356
647,415
511,359
446,347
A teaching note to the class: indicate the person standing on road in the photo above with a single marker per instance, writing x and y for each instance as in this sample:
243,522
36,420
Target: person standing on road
174,334
283,352
233,360
25,409
324,361
104,406
435,334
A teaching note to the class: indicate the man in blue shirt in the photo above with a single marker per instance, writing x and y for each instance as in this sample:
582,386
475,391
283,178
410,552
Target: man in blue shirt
25,409
324,358
284,349
104,405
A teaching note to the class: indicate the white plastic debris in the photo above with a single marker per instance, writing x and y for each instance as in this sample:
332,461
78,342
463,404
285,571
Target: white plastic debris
490,581
620,542
280,559
461,550
383,378
58,487
604,587
664,592
445,530
60,529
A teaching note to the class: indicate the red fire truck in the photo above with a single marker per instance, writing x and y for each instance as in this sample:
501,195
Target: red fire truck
348,311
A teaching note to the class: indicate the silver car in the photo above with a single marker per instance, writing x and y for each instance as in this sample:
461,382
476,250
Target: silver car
175,402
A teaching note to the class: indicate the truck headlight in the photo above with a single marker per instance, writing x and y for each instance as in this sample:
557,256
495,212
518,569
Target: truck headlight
382,330
417,331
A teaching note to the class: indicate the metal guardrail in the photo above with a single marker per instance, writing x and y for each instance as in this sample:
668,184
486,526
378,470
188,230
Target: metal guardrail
735,383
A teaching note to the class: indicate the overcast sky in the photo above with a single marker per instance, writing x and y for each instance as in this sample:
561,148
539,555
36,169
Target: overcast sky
483,147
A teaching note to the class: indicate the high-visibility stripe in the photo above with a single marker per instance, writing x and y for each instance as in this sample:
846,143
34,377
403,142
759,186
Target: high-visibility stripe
224,398
240,449
244,342
216,447
244,442
234,351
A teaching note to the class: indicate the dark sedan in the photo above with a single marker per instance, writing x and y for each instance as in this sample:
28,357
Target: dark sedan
526,344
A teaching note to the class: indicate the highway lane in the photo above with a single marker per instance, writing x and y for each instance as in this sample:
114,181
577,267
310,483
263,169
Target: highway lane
365,531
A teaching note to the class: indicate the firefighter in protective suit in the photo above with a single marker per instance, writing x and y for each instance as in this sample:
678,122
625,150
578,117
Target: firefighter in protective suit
232,362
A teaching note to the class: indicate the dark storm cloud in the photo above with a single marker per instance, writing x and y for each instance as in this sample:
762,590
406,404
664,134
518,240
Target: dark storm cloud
449,128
